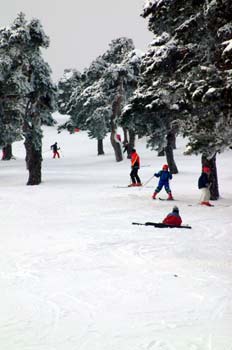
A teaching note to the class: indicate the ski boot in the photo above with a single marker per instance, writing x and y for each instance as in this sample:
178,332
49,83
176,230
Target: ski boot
208,204
170,198
132,185
154,195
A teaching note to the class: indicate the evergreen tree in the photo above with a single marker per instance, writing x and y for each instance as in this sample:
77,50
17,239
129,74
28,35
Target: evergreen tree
95,103
66,85
208,86
209,91
159,98
13,84
186,74
40,101
28,95
76,97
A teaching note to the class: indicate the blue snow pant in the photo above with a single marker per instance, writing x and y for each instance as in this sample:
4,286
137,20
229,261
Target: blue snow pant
162,184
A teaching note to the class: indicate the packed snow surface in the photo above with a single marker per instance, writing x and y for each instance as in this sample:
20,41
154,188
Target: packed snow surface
77,275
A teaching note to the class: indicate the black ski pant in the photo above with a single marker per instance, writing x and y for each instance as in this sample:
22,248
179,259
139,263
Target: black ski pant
134,175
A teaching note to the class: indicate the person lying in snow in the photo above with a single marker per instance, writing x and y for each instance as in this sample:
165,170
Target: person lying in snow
173,218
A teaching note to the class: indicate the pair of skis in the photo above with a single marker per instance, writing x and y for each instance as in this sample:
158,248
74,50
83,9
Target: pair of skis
160,225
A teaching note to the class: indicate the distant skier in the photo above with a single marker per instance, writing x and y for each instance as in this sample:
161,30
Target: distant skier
173,218
135,165
55,149
164,176
204,185
118,137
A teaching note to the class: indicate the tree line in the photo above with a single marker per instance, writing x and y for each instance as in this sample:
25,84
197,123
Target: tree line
181,85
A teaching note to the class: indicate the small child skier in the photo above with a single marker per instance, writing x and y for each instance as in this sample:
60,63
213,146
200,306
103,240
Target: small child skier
203,185
164,176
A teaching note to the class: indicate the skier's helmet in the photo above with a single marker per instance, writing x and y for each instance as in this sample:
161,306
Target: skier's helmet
165,167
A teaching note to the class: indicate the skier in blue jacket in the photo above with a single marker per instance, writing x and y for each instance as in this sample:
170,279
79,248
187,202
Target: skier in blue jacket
164,177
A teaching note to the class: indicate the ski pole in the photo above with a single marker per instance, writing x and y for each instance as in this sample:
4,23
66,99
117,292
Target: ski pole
148,181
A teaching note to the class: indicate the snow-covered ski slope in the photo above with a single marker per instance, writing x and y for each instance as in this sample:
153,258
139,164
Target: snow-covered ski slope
77,275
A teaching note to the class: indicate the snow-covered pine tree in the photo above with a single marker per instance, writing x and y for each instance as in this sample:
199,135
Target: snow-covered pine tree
78,97
186,74
41,101
159,99
13,87
95,102
69,81
123,77
209,89
31,86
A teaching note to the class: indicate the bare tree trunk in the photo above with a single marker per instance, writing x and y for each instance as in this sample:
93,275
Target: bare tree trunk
131,143
33,162
33,143
7,152
174,142
169,154
116,146
161,153
131,139
100,150
116,108
173,139
125,136
214,188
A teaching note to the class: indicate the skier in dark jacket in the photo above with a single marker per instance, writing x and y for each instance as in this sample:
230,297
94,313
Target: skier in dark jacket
173,218
203,185
135,165
55,149
164,176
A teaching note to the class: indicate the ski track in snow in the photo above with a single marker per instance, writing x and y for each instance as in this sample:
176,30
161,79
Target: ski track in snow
76,274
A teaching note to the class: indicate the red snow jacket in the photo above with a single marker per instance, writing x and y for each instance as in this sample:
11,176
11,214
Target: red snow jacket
135,160
172,219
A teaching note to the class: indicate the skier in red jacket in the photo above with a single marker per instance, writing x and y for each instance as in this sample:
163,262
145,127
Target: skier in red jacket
173,218
135,165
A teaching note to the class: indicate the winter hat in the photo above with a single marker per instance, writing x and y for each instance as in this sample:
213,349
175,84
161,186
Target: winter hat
175,210
206,169
165,167
133,150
